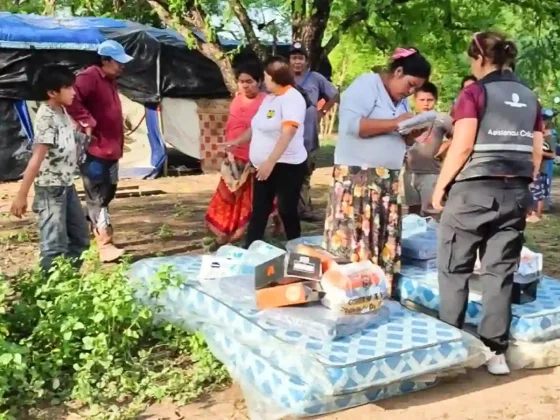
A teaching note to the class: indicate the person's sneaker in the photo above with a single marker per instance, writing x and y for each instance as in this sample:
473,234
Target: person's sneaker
497,365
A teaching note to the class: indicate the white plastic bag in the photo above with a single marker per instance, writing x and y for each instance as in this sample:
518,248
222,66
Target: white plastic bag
355,288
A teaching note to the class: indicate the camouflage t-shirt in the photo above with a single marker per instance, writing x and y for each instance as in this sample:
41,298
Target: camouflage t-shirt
55,129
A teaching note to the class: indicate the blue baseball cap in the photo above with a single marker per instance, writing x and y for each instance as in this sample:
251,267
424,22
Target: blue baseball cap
548,113
113,50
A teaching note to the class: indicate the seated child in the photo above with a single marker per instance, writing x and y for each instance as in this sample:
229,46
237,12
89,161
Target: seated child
63,229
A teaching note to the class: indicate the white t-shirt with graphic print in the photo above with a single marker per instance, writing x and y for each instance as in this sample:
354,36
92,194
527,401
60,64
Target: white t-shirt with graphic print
55,129
275,112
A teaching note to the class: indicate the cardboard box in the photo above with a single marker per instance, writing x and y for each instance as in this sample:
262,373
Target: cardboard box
287,295
286,269
289,279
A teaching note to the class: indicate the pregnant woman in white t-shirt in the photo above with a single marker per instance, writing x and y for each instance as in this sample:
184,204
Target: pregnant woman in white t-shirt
363,220
277,151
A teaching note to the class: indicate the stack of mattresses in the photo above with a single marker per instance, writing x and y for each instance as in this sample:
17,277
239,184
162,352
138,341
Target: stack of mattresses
535,328
285,370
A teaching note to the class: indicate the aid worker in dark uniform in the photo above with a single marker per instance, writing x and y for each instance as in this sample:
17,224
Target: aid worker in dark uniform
484,184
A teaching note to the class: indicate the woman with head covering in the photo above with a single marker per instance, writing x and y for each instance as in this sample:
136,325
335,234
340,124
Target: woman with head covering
363,220
494,156
230,208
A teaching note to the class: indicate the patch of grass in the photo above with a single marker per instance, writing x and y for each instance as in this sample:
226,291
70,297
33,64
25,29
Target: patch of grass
544,237
83,340
165,232
180,211
325,156
20,237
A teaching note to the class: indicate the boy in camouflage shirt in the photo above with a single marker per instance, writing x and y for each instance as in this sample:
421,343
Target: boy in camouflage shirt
63,228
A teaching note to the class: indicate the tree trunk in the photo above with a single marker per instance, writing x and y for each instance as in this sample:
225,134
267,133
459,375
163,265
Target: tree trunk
195,19
50,7
309,28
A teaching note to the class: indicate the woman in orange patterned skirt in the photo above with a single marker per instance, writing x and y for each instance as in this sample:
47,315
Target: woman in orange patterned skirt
363,220
230,208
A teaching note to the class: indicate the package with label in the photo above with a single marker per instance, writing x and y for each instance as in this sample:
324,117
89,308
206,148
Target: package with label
527,277
328,260
288,295
288,279
355,288
216,267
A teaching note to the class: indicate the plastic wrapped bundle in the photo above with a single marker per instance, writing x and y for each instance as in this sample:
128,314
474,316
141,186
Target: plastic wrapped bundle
419,238
354,288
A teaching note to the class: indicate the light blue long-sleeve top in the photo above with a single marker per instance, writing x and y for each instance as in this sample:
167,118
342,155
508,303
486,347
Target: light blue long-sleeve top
367,97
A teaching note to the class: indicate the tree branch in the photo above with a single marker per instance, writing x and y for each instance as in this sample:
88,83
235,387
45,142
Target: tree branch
194,19
241,14
358,16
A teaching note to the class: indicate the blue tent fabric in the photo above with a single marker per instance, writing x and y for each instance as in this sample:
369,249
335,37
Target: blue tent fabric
156,140
25,118
41,32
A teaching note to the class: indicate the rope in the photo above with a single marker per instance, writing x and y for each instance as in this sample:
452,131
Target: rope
137,126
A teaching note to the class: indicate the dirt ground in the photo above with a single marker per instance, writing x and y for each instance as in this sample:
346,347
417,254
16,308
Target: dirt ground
172,223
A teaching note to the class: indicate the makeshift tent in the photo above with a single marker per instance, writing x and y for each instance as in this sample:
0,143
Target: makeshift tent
163,67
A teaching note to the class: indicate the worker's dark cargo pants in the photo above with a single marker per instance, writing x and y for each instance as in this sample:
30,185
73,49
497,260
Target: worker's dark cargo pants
488,216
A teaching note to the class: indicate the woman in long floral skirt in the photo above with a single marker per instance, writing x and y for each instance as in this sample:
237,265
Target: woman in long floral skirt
363,218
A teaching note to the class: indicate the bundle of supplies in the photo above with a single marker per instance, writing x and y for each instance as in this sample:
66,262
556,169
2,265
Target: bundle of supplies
312,274
526,279
419,242
289,279
355,288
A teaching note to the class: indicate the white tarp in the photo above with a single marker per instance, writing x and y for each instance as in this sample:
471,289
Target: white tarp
181,126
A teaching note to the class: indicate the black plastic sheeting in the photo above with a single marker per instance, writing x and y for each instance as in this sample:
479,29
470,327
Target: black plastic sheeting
15,149
183,73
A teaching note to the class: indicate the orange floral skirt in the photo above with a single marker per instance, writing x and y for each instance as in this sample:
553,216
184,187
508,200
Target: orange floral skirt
363,218
231,206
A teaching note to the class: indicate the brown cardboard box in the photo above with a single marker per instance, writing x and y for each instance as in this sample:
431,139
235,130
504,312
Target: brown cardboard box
286,269
287,295
289,279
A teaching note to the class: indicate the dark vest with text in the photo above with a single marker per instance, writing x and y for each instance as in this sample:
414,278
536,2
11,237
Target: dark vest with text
504,140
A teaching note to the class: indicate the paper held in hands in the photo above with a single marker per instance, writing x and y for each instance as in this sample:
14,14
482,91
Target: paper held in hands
418,122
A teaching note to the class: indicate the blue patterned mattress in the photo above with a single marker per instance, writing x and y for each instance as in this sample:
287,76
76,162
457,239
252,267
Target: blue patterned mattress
284,372
537,321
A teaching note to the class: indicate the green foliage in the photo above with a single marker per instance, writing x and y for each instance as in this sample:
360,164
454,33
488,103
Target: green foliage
83,337
442,31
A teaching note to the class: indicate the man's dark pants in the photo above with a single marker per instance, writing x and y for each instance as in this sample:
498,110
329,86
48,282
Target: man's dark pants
488,216
305,206
100,177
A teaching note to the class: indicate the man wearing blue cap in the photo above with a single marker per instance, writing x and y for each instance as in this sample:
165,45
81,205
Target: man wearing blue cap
98,111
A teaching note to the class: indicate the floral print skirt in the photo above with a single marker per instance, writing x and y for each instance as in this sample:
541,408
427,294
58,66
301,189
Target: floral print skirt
363,218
